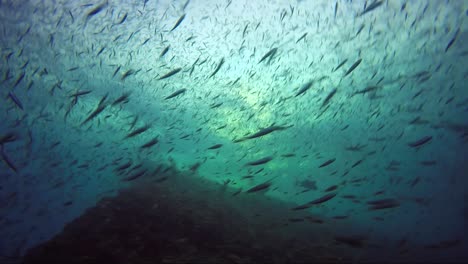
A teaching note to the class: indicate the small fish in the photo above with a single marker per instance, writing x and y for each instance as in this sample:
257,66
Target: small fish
340,65
121,99
96,112
371,7
366,90
357,163
95,11
221,62
7,160
331,188
260,161
144,42
452,40
359,30
138,131
320,200
269,54
383,204
122,19
135,176
124,166
150,143
165,50
328,98
169,74
302,37
263,132
326,163
15,100
259,187
245,30
336,8
178,22
9,137
18,80
217,146
304,88
73,69
100,51
420,142
126,74
176,93
353,67
116,71
80,93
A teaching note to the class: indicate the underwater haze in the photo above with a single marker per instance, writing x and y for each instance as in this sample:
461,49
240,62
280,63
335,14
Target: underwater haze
355,111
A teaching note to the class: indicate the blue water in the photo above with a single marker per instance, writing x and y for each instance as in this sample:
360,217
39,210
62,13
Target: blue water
392,120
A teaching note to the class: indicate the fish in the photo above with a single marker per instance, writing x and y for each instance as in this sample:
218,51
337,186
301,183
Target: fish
383,204
7,160
144,42
452,40
221,62
178,22
8,137
95,11
176,93
135,176
323,199
116,71
245,30
15,100
336,8
320,200
217,146
80,93
169,74
302,37
121,99
371,7
73,69
304,88
124,166
269,54
353,67
259,187
340,65
126,74
100,51
150,143
95,113
420,142
216,105
165,50
259,161
359,30
122,20
137,131
263,132
328,98
326,163
18,80
366,90
357,163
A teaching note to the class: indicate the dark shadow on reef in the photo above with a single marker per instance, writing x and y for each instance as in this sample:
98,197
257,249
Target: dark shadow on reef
176,217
